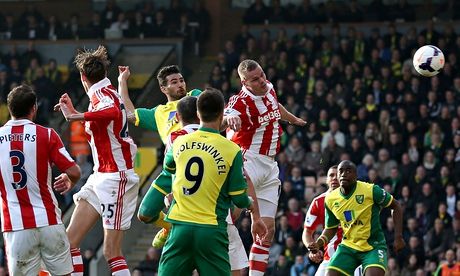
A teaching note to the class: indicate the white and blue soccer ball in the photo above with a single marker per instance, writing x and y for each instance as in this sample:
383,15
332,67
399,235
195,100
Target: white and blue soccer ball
428,60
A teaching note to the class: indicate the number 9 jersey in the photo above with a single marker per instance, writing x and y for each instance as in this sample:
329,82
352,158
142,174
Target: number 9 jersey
208,174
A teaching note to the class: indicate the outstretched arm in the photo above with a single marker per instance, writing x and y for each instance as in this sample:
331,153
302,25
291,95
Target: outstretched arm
123,77
398,221
290,118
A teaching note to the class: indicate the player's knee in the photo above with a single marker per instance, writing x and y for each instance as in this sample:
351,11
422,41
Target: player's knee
143,217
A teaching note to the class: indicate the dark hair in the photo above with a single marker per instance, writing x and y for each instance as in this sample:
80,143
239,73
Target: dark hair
93,64
186,107
21,100
166,71
334,167
210,104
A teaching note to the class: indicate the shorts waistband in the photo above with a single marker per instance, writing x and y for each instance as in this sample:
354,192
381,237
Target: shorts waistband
270,157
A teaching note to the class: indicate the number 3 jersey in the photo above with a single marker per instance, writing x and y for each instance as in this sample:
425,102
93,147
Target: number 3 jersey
27,198
359,215
107,129
208,171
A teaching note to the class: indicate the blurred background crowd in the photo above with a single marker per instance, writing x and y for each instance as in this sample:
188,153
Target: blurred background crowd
357,90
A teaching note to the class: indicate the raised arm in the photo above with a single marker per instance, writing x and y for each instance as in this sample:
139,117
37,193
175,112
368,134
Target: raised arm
290,118
123,77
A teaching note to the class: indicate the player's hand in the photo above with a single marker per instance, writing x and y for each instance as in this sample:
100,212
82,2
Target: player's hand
234,122
316,257
62,183
258,230
313,247
123,73
298,122
168,199
399,244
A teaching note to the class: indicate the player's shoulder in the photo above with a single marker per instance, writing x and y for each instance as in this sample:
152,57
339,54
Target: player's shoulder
320,198
237,98
331,196
364,186
194,92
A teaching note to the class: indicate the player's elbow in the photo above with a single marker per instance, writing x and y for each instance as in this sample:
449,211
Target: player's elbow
241,200
74,173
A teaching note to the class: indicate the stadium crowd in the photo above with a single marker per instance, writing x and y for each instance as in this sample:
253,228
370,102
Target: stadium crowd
364,102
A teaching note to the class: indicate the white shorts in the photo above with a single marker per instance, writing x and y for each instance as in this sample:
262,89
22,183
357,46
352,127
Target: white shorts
322,269
113,196
263,172
236,252
26,249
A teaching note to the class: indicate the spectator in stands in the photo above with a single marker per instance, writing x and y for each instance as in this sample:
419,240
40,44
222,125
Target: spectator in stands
384,164
95,27
159,26
121,23
149,266
110,13
438,239
257,13
53,74
282,266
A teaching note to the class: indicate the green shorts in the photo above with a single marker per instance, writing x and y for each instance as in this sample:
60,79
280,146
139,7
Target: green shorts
346,259
153,202
192,247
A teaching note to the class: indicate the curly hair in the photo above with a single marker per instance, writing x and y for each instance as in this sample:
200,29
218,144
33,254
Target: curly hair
93,64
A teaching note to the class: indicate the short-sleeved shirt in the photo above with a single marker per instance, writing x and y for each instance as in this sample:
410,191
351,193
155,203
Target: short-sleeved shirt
359,215
315,217
208,170
260,128
161,118
28,151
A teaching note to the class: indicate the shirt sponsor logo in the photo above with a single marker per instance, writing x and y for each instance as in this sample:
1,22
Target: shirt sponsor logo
275,114
348,215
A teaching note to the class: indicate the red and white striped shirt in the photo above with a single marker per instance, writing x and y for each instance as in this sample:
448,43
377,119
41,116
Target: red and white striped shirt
260,130
107,129
190,128
315,217
28,150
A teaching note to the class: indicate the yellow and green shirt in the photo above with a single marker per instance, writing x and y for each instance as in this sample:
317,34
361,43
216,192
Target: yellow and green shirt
208,176
161,118
359,215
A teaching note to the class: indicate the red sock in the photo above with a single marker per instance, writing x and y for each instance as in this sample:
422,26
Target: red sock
77,262
119,267
258,259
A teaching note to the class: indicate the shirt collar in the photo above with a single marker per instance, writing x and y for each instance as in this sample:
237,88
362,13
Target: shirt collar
19,122
98,85
246,90
192,126
207,129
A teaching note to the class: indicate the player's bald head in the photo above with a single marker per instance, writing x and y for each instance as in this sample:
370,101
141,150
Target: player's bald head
347,164
186,107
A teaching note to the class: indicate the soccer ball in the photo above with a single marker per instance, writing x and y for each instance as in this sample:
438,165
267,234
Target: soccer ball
428,60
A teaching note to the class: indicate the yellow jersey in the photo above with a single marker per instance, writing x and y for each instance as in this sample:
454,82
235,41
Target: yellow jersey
359,215
161,118
208,170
